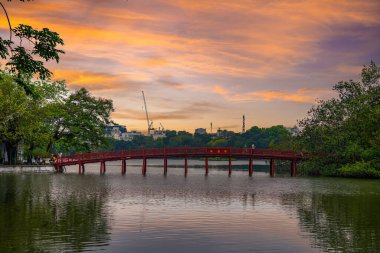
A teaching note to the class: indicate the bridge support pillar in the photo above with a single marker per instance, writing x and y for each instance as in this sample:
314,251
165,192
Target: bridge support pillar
165,166
102,167
123,167
81,169
271,170
250,167
229,167
185,166
206,166
294,168
144,167
58,168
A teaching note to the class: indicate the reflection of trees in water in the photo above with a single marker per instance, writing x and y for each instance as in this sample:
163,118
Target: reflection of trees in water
35,216
338,222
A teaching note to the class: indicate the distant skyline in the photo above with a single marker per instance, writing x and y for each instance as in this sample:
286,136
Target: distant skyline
207,61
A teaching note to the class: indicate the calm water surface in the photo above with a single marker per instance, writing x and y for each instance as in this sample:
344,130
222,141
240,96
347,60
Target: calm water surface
131,213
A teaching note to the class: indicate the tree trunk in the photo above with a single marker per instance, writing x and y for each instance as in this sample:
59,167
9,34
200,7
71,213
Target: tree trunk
49,146
11,153
30,155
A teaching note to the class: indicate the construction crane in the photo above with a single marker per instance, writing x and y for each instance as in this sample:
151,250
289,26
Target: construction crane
162,127
150,123
243,127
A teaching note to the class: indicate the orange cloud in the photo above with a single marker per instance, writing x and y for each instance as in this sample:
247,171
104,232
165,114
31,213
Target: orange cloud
94,81
304,95
220,90
155,62
300,95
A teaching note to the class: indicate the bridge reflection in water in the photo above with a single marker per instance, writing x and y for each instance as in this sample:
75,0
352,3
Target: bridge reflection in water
185,153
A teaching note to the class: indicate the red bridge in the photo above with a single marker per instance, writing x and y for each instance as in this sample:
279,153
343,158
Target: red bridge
165,153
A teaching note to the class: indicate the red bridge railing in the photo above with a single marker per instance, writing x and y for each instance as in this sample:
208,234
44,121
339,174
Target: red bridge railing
179,152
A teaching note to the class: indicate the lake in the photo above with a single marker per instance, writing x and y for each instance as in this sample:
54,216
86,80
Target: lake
114,213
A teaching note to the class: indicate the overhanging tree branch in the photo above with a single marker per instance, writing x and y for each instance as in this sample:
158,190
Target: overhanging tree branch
9,21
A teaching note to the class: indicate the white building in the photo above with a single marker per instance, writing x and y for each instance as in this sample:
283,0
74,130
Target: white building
115,131
129,136
158,134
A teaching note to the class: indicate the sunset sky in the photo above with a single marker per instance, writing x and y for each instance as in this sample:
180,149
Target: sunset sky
207,61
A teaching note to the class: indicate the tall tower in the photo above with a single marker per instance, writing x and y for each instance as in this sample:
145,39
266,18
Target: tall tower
211,126
243,128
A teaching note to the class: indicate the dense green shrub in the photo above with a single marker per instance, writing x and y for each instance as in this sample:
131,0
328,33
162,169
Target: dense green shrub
359,170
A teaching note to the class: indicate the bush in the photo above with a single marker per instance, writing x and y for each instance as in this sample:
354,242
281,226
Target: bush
359,170
307,168
314,168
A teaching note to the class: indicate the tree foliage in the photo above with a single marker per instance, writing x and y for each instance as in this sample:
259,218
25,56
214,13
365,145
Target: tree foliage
57,119
24,61
345,131
271,137
77,125
16,117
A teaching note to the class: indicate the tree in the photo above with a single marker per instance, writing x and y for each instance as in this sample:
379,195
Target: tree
77,123
59,119
49,96
344,131
220,142
16,117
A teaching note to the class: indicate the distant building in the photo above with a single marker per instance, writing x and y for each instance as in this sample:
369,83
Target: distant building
223,133
129,136
158,134
293,130
200,131
115,131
